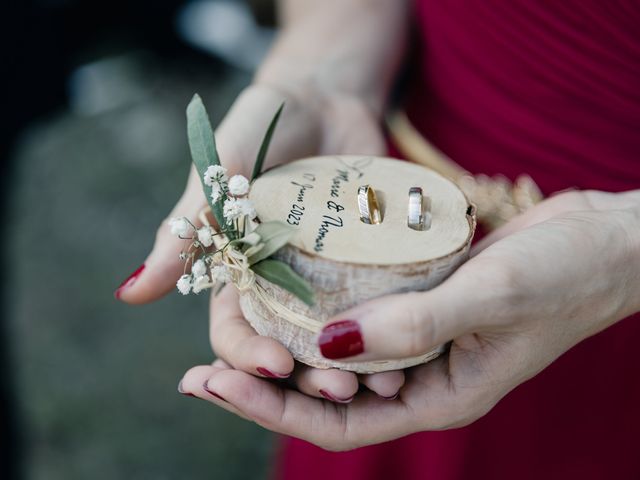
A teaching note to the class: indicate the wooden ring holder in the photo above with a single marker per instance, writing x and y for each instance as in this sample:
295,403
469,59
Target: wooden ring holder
345,260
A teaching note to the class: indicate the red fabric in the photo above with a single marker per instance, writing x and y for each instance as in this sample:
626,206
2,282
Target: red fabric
552,89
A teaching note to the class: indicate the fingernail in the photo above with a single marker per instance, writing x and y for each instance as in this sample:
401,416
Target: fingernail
206,389
333,398
270,374
341,339
392,397
131,279
181,390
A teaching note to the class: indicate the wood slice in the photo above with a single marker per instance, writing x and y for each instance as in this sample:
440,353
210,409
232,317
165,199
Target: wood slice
348,261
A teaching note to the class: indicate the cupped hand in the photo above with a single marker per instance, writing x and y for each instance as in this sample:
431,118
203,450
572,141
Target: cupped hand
561,272
315,125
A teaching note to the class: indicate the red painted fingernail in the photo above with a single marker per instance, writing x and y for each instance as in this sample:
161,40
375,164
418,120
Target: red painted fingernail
181,390
392,397
341,339
206,389
131,279
333,398
270,374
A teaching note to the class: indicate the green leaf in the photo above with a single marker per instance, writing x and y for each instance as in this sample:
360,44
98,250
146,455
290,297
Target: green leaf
264,147
202,144
274,235
281,274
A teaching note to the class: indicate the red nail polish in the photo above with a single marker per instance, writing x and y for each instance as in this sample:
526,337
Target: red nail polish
206,389
181,390
131,279
392,397
341,339
270,374
333,398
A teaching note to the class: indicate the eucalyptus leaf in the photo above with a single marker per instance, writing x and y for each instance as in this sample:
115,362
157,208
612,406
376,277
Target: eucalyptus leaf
274,235
204,153
264,147
281,274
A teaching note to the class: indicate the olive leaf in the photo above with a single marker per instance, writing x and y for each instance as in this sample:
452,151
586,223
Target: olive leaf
268,237
204,153
283,275
264,147
273,235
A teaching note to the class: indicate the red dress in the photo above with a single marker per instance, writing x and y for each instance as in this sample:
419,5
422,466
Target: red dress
552,89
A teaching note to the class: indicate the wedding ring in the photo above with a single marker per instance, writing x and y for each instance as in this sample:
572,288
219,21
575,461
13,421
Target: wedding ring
368,205
417,218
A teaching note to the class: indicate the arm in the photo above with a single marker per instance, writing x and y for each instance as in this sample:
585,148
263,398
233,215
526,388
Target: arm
338,48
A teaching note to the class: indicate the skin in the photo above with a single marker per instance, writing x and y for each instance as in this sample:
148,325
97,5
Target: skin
563,271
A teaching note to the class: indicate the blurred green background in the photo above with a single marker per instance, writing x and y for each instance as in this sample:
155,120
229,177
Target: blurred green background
93,381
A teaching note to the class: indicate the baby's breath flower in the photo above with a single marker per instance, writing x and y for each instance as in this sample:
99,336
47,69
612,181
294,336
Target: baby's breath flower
247,208
238,185
205,236
199,268
215,174
232,210
220,273
179,226
216,192
200,283
184,284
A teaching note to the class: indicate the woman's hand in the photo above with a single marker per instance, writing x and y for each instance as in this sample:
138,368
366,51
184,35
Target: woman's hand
563,271
332,67
320,125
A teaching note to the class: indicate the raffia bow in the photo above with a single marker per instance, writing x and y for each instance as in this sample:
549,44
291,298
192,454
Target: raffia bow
244,279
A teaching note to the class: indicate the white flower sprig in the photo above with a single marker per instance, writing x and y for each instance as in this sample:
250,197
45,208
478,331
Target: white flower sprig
238,252
208,267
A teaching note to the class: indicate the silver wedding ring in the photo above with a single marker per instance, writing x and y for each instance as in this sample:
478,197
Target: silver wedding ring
368,205
418,216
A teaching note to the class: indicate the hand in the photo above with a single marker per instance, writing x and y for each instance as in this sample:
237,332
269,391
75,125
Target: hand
319,125
561,272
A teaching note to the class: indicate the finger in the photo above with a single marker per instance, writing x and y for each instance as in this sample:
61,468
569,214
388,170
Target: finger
386,384
367,420
335,385
192,384
162,268
555,205
559,203
406,325
236,342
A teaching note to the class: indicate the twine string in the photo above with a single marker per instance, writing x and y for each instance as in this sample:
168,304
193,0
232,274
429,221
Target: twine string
244,279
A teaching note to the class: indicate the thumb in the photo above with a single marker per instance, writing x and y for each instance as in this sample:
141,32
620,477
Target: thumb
158,274
402,325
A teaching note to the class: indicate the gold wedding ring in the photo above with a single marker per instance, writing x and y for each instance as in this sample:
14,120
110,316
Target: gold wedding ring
418,216
368,205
